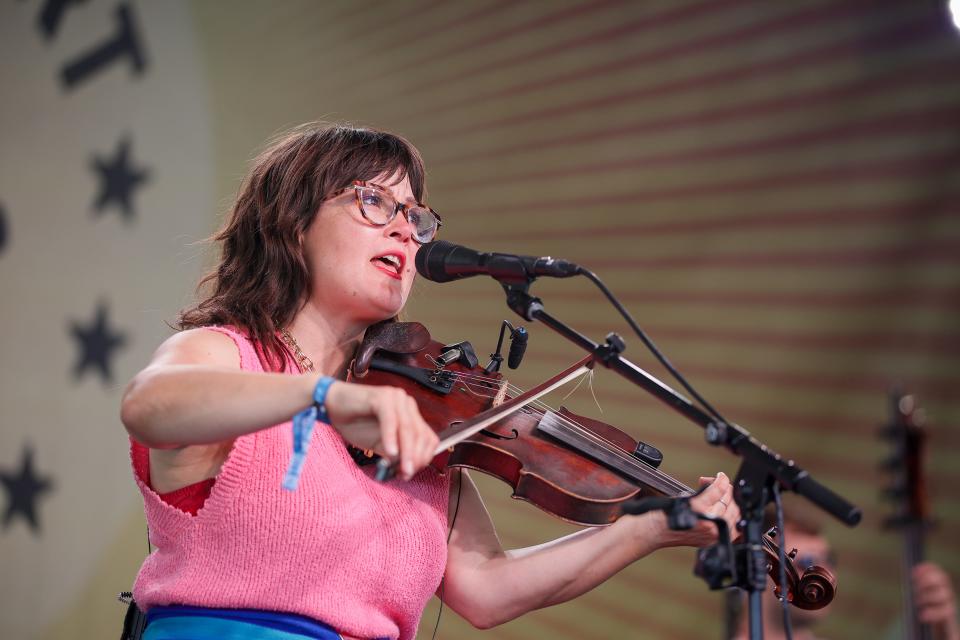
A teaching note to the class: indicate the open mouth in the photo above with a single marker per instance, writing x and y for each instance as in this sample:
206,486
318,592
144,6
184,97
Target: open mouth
390,263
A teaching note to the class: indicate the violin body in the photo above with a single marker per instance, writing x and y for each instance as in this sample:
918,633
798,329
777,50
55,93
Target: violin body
546,473
539,468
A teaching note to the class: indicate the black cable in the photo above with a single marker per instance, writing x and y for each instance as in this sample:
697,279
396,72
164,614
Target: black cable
787,626
649,343
453,520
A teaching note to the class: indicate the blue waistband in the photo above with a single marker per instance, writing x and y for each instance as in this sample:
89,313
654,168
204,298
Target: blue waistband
198,623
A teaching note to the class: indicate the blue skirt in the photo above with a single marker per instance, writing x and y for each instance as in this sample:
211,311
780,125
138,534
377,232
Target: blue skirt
201,623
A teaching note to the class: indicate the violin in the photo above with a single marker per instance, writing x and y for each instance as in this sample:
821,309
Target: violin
573,467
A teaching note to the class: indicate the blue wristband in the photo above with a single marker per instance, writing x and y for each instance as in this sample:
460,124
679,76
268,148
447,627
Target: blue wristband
303,424
320,397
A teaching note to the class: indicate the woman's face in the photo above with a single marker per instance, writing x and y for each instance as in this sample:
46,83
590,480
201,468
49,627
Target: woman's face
358,269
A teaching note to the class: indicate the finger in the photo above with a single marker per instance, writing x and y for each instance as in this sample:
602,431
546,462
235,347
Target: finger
936,615
929,574
713,492
718,509
732,516
407,434
933,595
425,438
729,506
431,444
705,503
931,581
387,420
722,480
728,493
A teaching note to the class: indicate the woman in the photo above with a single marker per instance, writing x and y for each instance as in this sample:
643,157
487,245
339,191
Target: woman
320,246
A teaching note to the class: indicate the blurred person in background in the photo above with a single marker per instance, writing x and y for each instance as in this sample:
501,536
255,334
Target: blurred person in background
804,529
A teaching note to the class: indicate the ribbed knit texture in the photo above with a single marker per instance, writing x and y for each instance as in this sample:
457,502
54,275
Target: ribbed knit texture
361,556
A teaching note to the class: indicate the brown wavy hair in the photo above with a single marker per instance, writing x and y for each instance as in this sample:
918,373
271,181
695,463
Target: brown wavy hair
263,278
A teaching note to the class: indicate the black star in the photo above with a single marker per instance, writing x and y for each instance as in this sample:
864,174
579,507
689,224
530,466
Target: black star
23,488
117,180
96,343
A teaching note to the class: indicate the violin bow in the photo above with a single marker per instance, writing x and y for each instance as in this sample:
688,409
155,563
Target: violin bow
459,432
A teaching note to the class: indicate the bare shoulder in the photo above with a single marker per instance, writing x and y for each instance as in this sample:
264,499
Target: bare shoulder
198,346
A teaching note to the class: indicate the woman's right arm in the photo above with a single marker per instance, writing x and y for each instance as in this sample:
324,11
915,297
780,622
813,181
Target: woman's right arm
194,392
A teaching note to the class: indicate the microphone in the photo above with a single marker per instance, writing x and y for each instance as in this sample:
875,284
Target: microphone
518,345
443,261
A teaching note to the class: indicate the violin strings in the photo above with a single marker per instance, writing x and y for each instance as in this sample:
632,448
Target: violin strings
575,427
546,407
640,466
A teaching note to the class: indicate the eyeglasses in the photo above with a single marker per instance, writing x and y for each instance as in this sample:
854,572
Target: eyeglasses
379,208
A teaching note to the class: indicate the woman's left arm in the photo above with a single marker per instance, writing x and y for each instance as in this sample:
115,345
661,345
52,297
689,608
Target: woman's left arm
489,586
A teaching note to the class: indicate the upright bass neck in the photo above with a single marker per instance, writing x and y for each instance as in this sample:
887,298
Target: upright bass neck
909,493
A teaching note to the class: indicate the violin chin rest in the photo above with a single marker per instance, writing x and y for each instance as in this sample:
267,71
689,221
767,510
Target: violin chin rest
391,336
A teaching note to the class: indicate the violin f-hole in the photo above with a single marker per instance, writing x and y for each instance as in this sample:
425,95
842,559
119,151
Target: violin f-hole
514,434
497,436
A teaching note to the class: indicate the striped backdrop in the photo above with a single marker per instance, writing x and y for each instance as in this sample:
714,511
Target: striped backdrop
771,187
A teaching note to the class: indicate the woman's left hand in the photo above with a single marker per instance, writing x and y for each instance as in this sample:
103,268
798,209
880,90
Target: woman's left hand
716,500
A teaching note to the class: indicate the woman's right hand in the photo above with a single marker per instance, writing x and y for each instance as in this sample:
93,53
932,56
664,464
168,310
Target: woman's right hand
385,419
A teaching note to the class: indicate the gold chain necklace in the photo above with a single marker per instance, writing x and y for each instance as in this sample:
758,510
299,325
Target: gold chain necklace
305,363
360,456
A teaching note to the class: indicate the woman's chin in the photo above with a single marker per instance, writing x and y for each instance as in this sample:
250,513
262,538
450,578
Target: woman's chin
383,309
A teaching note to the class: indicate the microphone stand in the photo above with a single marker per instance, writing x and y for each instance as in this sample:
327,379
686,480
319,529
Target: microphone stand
760,467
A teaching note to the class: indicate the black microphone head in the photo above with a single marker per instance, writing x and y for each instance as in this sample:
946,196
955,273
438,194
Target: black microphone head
518,345
429,260
442,261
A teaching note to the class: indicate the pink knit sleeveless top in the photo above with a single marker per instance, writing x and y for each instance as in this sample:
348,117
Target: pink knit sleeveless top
361,556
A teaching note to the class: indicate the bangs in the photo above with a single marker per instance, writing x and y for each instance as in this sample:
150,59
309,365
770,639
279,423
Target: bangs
367,154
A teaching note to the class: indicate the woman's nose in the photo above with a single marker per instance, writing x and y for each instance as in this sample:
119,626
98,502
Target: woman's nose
400,227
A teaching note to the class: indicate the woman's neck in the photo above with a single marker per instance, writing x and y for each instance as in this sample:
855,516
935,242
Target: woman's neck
327,340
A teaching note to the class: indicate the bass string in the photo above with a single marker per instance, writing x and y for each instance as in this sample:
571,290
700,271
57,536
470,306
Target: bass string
580,430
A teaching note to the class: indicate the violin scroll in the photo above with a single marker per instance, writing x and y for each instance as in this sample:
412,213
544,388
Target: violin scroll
816,589
812,589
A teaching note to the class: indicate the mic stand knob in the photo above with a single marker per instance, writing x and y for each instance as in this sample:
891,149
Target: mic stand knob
611,348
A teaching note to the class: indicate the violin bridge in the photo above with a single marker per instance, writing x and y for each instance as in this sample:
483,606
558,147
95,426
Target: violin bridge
501,394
